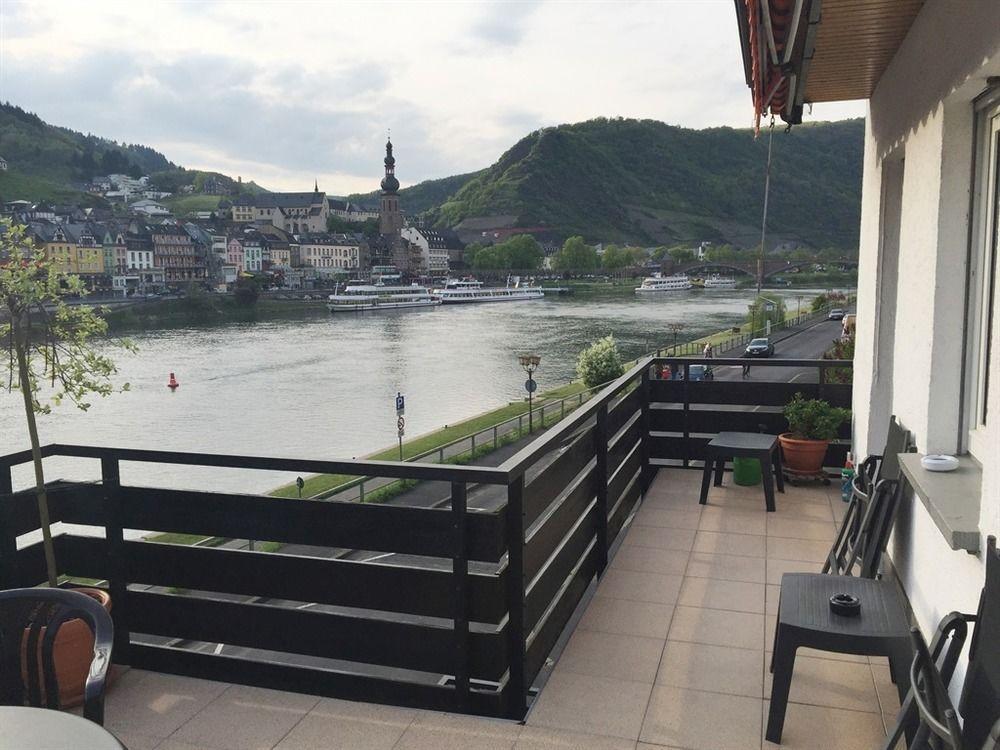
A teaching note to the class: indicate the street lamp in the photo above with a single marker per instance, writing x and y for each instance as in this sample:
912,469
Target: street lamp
675,328
530,362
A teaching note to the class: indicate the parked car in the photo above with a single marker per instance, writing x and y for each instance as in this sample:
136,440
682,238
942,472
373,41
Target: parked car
760,348
835,314
700,372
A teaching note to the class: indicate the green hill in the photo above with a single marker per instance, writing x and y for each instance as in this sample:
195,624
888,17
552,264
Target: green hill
645,181
423,196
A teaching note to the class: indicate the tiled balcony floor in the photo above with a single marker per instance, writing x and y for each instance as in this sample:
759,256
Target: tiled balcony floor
671,652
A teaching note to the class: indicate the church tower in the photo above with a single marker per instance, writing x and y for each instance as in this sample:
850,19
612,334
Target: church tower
390,217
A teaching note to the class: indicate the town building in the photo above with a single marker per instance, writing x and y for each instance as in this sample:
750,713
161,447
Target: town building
244,208
330,252
352,212
439,248
175,253
149,207
234,254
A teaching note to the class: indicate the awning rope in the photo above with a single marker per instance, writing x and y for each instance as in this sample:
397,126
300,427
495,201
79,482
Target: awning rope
763,221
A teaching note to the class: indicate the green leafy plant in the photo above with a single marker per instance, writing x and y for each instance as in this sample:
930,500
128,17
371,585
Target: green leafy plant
600,362
49,346
814,419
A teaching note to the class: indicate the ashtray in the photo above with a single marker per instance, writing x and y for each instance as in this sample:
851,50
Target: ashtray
939,463
845,605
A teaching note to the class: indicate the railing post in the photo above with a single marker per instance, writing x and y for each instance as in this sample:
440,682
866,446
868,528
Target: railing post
8,542
601,486
117,564
520,424
562,409
472,452
460,579
687,411
361,491
496,438
517,699
646,472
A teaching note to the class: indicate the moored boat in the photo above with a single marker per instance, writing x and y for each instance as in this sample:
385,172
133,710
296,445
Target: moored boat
719,282
660,283
462,291
357,298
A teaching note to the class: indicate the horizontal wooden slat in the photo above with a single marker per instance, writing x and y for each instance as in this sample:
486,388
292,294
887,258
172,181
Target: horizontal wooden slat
540,592
624,474
621,510
747,393
386,528
355,638
549,483
549,630
346,583
713,421
618,451
68,501
310,680
553,529
624,410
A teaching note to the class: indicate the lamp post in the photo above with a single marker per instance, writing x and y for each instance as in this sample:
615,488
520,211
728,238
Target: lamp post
675,328
530,363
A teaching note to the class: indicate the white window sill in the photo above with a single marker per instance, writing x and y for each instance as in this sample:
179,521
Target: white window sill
952,498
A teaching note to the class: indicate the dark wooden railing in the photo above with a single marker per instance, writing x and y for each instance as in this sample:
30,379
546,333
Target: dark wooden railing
463,614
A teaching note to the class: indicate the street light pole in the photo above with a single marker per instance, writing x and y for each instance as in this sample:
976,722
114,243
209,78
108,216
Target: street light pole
530,362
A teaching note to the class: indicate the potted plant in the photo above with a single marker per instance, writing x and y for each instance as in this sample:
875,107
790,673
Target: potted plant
50,358
812,424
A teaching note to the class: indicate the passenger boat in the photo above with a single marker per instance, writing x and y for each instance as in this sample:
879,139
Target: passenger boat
659,283
719,282
457,291
360,297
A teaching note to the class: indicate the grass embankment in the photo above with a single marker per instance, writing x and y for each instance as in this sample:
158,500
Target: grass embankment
181,205
321,483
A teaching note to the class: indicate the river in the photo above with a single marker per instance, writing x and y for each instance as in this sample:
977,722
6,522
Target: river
321,386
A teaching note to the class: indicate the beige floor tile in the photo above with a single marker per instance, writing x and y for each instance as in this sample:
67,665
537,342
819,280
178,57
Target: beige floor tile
156,704
744,545
466,723
136,741
627,617
804,510
726,567
668,519
623,657
337,733
771,600
809,550
888,696
660,538
172,744
425,738
796,529
717,627
836,684
733,521
593,705
650,560
658,588
712,593
539,738
679,501
245,718
811,727
777,568
702,721
717,669
360,711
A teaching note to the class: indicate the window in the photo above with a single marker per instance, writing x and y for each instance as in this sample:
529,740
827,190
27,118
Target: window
983,269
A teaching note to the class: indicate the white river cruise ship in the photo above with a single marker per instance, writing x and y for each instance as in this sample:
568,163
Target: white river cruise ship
356,298
658,283
465,291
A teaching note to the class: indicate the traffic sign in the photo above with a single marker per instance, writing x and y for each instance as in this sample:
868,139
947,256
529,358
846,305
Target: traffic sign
400,404
530,385
400,423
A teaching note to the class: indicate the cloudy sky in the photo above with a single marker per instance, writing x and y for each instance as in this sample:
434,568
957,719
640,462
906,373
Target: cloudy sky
286,92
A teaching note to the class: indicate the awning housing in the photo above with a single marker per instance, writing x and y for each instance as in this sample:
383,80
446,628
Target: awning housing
797,52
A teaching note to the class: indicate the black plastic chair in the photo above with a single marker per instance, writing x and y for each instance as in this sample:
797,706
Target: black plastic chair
980,701
939,727
27,668
941,657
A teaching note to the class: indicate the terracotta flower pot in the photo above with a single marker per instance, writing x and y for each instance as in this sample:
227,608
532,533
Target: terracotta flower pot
802,456
72,653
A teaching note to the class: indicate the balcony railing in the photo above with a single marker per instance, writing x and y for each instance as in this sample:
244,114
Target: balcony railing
463,604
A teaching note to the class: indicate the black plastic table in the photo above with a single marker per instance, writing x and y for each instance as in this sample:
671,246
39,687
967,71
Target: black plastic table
805,620
22,727
744,445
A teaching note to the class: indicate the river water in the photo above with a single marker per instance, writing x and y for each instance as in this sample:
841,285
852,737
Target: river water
321,386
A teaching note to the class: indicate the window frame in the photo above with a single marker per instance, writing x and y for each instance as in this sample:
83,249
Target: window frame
983,317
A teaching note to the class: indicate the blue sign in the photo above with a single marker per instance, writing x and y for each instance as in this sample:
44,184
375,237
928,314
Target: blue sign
400,404
530,385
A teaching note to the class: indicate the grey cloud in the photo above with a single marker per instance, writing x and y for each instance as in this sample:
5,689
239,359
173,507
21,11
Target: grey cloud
504,24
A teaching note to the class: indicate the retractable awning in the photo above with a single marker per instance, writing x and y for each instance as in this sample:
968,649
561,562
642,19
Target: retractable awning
797,52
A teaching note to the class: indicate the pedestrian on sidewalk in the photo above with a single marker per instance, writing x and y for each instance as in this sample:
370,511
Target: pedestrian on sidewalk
746,366
707,353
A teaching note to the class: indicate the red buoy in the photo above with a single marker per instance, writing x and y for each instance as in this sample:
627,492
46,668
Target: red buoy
172,383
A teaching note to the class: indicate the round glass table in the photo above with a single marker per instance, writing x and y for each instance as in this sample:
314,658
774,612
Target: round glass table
24,728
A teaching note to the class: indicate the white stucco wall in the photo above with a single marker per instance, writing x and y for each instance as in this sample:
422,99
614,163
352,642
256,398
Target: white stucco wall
922,113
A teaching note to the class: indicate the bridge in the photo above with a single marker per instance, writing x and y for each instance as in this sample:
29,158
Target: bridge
772,266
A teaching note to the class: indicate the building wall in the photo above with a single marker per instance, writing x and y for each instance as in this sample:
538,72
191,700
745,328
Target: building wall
917,192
